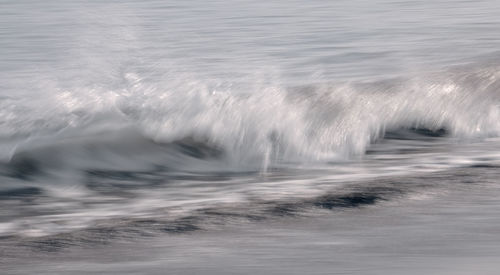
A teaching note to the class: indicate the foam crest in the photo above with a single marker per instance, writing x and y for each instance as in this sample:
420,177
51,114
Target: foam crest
266,124
318,122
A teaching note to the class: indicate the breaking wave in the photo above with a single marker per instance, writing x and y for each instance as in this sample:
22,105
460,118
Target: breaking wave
163,123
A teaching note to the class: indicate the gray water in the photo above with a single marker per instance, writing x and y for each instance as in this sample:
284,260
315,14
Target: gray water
238,137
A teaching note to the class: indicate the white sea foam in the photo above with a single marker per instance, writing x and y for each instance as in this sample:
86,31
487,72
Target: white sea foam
272,124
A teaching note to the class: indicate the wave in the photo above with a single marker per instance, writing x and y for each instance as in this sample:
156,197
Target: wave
156,123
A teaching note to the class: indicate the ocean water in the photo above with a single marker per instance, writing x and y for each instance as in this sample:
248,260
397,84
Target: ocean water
249,137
